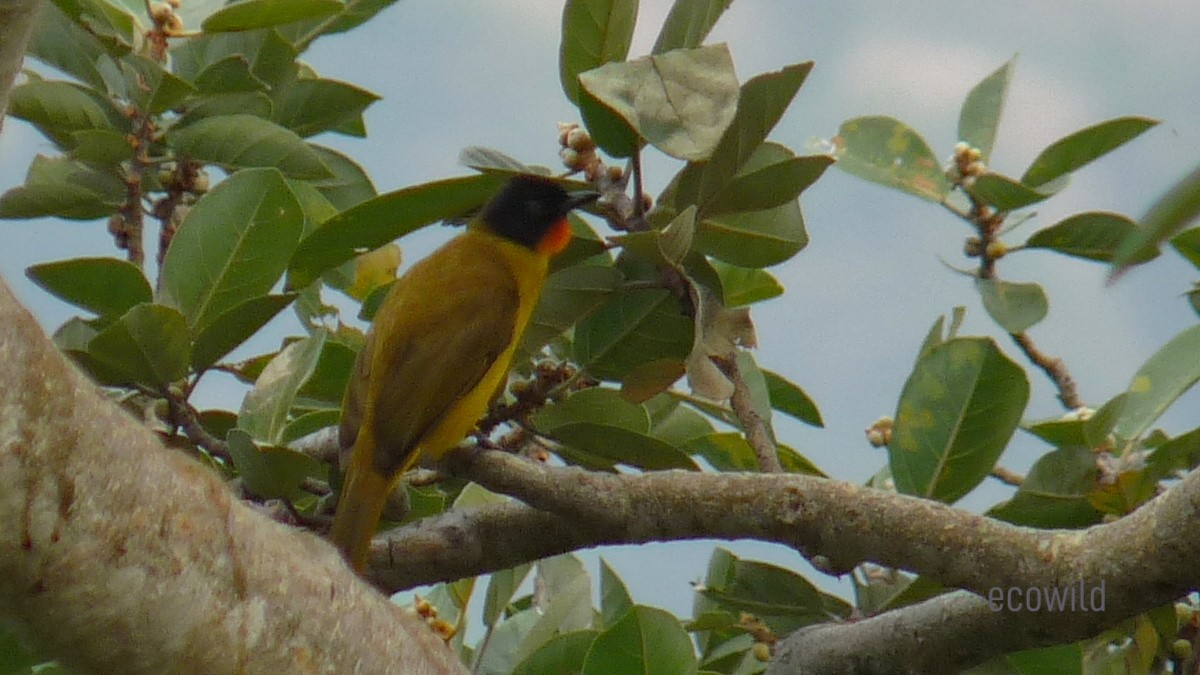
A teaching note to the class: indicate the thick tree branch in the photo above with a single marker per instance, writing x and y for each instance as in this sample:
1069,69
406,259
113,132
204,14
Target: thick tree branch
16,25
120,555
942,635
1142,560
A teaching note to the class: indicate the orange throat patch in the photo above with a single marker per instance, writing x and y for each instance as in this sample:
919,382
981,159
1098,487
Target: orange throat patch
555,239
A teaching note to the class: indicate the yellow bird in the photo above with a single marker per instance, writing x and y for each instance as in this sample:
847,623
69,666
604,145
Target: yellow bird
441,345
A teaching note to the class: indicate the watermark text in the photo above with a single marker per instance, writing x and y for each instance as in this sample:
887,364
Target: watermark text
1074,598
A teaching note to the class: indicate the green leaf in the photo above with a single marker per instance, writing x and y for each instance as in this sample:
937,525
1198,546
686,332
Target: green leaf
234,326
309,106
724,451
1061,659
501,587
349,185
216,105
1175,457
60,42
886,151
73,338
772,176
149,344
378,221
789,399
630,329
1059,431
614,597
608,129
1187,243
100,146
111,24
151,86
674,423
270,472
646,640
59,109
688,23
681,102
1004,193
563,653
1096,429
264,412
762,100
1082,147
666,247
231,74
755,238
353,14
594,32
56,186
1171,213
309,423
564,606
568,295
316,209
1015,306
232,245
1054,494
107,287
742,286
251,14
1094,235
242,141
756,385
1170,372
784,600
958,409
980,116
486,159
598,428
328,380
224,62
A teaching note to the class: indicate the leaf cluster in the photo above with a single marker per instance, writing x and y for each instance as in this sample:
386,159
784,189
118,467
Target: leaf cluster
623,317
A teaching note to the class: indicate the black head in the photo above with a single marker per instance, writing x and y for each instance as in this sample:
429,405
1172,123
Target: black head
529,207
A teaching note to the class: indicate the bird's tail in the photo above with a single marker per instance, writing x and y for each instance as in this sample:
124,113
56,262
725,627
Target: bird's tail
359,507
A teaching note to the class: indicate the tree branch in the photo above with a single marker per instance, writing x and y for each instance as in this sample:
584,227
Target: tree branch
16,25
121,555
1055,368
1143,560
758,434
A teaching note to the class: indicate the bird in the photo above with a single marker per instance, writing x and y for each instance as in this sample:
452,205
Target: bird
440,347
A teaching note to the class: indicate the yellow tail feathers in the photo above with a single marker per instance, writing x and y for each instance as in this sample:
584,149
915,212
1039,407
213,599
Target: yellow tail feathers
363,495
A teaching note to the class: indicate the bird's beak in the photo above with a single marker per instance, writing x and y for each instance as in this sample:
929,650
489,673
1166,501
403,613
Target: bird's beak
581,198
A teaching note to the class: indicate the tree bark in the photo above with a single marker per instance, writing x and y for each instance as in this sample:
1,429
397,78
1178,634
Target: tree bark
120,555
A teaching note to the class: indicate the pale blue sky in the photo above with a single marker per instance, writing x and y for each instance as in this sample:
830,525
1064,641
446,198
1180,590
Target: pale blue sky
862,295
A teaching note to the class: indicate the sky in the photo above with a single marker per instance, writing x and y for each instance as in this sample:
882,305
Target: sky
865,291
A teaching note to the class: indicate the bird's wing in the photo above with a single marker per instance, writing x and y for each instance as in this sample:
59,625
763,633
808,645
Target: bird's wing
443,341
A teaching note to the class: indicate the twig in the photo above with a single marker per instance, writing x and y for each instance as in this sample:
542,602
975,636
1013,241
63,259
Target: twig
758,434
638,222
989,224
1007,476
1054,368
184,416
549,381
